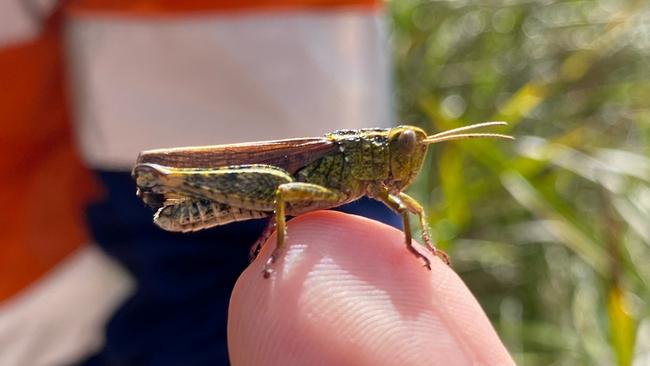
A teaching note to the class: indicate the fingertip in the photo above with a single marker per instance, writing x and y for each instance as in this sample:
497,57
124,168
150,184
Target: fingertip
345,280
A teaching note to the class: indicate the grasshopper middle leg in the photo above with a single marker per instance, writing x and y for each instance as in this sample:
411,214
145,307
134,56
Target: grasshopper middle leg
306,194
414,207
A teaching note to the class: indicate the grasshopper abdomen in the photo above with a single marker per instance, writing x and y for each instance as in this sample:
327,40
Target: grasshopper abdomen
188,214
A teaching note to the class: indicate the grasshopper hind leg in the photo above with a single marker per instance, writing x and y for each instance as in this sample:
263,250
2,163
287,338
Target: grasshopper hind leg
266,233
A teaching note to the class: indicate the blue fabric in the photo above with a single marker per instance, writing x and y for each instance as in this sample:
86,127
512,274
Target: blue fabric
178,313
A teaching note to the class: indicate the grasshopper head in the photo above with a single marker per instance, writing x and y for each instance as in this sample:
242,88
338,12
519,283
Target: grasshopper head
407,150
408,147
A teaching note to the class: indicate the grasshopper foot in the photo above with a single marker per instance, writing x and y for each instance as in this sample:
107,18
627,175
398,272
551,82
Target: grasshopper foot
442,255
268,270
427,262
253,252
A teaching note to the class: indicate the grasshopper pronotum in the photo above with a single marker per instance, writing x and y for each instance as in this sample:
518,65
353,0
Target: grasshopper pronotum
195,188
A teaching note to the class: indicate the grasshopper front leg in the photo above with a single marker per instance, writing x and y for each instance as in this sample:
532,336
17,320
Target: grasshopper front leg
297,192
415,208
396,204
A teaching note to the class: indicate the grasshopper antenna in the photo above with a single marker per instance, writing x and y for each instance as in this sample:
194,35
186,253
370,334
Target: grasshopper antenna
454,134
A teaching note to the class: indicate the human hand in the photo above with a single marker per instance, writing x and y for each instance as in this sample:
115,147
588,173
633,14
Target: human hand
345,291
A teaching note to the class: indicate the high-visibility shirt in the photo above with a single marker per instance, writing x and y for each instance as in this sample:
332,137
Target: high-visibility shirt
96,81
151,73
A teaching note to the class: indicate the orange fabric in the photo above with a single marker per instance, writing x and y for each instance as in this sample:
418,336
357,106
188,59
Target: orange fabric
43,186
171,7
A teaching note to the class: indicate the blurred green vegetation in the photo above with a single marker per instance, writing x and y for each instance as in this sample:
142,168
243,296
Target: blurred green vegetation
552,231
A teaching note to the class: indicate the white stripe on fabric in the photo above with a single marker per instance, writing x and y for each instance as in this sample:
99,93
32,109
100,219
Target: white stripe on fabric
60,319
142,84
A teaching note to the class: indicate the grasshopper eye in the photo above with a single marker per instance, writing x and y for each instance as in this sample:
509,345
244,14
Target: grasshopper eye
407,141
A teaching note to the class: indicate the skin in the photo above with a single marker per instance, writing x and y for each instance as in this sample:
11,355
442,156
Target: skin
347,292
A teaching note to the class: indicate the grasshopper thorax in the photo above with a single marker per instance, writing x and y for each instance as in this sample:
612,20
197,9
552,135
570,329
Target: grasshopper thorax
407,151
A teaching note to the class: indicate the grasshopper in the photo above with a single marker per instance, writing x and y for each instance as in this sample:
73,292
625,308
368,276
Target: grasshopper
194,188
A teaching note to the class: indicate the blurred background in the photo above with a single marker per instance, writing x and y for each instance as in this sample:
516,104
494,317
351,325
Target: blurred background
551,232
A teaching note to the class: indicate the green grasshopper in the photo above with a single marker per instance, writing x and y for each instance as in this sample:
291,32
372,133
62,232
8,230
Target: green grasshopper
194,188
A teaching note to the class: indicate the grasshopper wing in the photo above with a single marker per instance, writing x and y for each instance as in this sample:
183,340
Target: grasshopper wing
289,154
